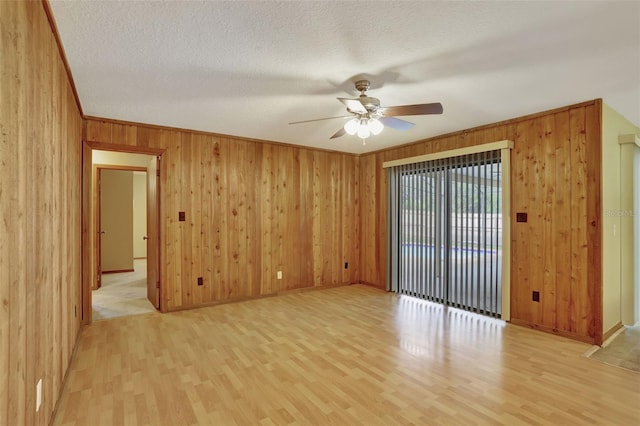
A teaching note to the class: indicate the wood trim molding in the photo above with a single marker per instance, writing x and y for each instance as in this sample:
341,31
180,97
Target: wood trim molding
117,271
123,168
609,333
506,232
263,296
87,231
63,55
506,144
312,288
629,139
574,336
374,285
593,158
103,146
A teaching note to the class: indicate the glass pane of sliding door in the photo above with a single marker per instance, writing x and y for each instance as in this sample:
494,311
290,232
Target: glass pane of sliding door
475,228
422,234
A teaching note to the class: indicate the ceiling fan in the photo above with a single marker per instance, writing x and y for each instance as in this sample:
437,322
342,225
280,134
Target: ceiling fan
368,117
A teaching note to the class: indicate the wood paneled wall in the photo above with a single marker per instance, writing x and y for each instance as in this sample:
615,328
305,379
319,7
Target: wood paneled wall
252,209
40,226
556,179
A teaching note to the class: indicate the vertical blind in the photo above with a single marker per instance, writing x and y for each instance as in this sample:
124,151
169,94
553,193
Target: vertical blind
445,231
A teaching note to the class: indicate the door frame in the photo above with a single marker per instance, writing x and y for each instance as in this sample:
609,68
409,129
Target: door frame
89,269
97,206
153,227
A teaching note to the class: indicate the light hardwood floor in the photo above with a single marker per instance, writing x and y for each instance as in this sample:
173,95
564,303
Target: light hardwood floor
347,356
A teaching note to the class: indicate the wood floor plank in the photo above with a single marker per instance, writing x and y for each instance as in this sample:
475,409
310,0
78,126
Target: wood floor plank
348,355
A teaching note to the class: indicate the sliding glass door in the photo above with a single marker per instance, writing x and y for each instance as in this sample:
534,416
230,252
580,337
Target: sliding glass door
446,231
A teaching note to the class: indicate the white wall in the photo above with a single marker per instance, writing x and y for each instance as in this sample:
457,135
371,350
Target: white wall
617,280
630,228
139,214
120,158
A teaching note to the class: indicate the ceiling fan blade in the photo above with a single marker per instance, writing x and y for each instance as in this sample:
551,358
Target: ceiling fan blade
396,123
321,119
418,109
338,133
353,105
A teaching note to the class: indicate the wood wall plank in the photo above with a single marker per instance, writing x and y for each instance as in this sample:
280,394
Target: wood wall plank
533,189
98,131
562,224
578,238
548,218
124,134
520,284
555,178
40,230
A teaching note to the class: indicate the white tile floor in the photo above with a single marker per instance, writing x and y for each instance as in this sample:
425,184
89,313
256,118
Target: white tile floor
122,294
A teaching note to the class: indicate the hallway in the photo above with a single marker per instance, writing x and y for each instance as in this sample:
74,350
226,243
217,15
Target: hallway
122,294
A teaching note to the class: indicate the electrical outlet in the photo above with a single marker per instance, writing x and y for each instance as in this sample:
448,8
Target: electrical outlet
346,265
535,296
38,395
200,281
181,216
279,275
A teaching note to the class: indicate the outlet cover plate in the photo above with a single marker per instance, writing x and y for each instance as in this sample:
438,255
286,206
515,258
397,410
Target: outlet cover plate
38,395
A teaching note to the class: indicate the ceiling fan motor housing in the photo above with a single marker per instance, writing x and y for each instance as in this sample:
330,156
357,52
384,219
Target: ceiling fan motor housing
362,86
371,104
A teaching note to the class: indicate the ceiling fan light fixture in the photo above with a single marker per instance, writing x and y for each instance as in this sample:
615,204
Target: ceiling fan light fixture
375,126
363,127
351,126
364,131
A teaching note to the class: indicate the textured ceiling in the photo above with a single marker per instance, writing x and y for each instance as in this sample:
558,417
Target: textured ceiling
248,68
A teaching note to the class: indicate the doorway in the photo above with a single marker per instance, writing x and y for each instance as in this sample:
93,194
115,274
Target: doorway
117,289
121,214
